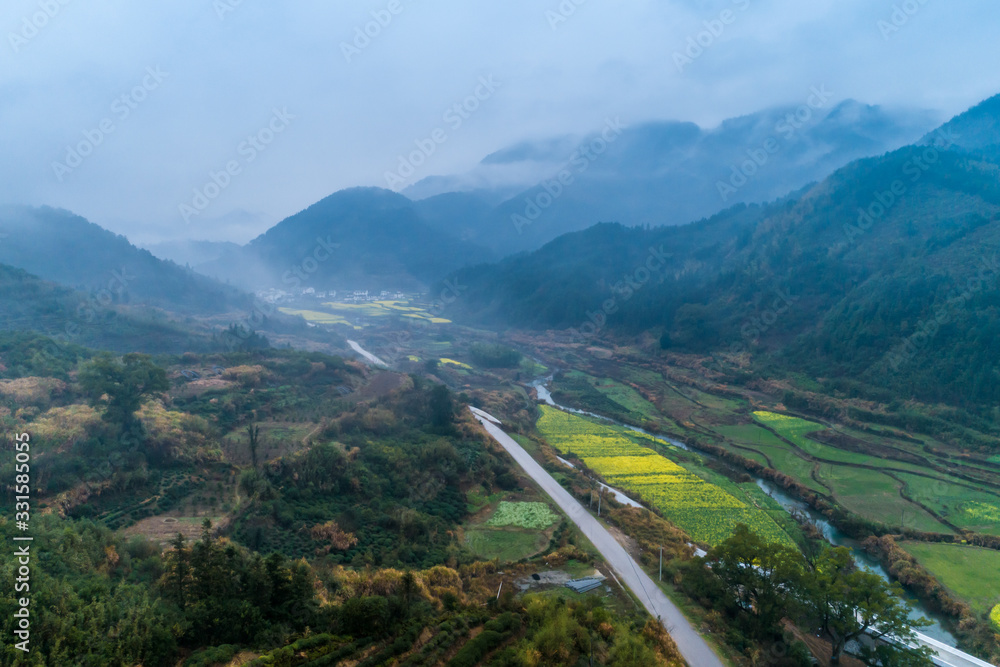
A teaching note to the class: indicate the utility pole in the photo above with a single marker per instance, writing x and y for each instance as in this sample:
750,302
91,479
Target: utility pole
661,563
599,496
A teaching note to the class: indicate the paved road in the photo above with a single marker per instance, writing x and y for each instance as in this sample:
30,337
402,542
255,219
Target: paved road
369,357
947,656
694,649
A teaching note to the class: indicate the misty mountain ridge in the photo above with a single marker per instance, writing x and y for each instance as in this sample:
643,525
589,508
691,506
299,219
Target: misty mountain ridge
62,247
359,238
657,173
191,253
875,261
661,173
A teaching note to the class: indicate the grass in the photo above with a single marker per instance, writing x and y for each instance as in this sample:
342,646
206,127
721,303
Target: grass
869,493
625,396
527,443
605,396
477,499
976,511
875,496
971,573
505,544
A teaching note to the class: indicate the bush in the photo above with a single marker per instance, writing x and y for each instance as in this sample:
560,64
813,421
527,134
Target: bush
215,655
494,633
365,616
494,356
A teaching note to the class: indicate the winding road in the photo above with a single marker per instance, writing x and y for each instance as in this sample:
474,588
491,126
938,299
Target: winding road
368,356
693,647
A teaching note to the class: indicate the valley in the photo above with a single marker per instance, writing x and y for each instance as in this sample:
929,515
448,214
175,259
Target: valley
858,476
639,369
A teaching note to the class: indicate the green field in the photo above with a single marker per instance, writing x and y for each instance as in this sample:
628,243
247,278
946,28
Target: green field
317,317
904,494
506,544
523,515
967,508
708,511
971,573
875,496
606,396
353,314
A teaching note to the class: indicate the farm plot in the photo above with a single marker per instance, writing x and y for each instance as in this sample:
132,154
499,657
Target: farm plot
354,314
971,573
523,515
515,530
876,496
978,511
707,512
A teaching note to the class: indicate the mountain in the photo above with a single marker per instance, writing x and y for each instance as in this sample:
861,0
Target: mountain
658,173
885,273
59,246
360,238
191,253
978,129
30,304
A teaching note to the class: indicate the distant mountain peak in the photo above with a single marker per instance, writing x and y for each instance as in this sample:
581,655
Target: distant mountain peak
975,129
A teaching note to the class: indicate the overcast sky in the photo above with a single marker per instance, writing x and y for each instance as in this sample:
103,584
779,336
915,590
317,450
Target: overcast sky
200,77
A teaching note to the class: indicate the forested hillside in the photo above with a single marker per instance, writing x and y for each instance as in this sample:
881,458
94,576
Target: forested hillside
852,278
67,249
277,508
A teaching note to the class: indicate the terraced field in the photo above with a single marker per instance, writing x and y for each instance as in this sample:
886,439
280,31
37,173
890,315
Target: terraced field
938,496
354,314
971,573
706,511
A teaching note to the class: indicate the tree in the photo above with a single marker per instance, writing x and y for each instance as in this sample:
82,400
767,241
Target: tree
408,590
121,385
442,407
494,355
178,571
846,603
759,576
253,433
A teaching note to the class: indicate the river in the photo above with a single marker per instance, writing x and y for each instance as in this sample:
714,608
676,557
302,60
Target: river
793,506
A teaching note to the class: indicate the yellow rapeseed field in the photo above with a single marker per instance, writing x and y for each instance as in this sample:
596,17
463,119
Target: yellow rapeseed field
707,512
